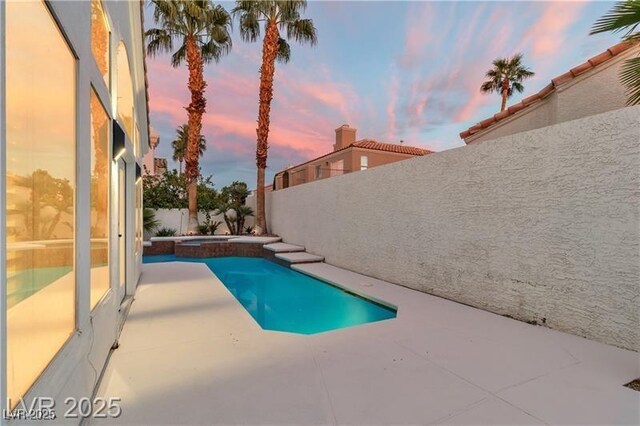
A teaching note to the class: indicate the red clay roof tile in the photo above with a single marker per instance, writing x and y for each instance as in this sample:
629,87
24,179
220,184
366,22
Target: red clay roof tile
515,108
530,99
487,122
546,91
502,114
598,59
576,71
390,147
562,78
619,48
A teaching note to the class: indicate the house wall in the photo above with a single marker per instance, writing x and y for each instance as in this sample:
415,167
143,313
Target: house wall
594,92
178,219
542,226
75,369
351,163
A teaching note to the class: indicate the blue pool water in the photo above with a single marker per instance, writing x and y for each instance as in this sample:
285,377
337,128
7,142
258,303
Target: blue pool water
281,299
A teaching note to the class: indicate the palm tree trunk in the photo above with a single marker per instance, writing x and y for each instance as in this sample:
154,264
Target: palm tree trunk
195,110
505,94
269,52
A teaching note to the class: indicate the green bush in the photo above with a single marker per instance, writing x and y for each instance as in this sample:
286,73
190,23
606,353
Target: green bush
203,229
166,232
213,227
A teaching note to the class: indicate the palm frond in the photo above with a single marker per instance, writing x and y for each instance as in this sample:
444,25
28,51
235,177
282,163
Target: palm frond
179,55
516,86
159,41
623,17
249,24
302,31
630,77
284,51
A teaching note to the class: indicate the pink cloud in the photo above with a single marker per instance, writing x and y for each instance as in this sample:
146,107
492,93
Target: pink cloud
548,34
391,106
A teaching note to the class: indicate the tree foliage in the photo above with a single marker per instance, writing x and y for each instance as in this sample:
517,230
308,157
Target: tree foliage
232,206
624,18
506,77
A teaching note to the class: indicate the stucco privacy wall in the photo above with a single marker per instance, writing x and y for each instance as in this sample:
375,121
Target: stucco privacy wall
540,225
178,219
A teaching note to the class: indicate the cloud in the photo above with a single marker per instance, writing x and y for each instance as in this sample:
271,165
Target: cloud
391,106
547,35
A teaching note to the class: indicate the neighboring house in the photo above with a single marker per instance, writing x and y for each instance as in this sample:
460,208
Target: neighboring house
159,166
150,164
348,156
73,130
590,88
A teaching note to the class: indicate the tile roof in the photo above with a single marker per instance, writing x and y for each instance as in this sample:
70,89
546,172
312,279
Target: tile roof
550,88
390,147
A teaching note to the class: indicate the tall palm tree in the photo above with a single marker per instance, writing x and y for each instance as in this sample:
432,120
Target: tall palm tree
625,17
179,145
505,77
200,30
277,16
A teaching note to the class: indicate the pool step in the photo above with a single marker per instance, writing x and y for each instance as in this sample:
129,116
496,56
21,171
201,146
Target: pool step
299,257
283,247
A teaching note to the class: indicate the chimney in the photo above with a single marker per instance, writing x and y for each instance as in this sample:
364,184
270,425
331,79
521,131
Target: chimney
345,136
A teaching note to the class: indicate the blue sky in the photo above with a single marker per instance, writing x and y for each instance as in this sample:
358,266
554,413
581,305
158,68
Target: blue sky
394,70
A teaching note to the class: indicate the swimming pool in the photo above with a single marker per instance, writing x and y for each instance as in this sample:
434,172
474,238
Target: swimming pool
281,299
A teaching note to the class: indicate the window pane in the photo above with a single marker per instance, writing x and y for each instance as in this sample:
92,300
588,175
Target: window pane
100,38
364,162
41,163
125,91
100,126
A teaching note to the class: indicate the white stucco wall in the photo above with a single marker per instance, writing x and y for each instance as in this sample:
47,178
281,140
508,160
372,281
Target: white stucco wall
540,225
597,91
178,219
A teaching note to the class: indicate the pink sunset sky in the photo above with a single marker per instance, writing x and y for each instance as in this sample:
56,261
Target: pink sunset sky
394,70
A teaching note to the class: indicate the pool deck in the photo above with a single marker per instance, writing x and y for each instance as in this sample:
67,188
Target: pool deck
189,353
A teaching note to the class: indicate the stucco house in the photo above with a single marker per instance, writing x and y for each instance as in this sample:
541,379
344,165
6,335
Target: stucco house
152,165
348,155
73,129
590,88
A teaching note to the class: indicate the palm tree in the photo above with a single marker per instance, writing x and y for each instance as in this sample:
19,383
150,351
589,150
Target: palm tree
505,77
625,17
201,32
277,16
179,145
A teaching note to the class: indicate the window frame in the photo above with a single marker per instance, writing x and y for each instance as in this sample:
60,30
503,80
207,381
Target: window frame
96,92
76,99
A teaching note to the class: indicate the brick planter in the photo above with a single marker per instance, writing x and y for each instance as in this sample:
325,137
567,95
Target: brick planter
159,247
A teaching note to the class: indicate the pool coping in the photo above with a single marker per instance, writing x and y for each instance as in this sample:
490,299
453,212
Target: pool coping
346,287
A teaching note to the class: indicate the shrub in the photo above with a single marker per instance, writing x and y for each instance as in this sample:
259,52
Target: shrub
203,229
166,232
214,227
150,223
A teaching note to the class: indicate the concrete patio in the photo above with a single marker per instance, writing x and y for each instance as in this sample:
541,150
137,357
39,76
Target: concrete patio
190,353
